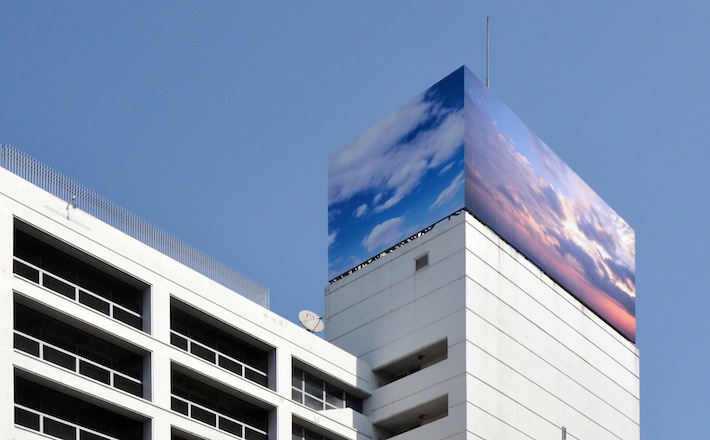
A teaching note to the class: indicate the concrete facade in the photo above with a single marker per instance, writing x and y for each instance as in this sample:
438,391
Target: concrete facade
167,282
525,359
454,335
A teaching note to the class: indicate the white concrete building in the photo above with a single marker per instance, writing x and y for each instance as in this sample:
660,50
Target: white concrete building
469,340
509,311
103,337
111,329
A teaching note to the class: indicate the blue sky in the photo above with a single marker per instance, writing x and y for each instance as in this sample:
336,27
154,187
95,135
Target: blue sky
215,121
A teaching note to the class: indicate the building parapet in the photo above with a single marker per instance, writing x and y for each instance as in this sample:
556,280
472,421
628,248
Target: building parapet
79,196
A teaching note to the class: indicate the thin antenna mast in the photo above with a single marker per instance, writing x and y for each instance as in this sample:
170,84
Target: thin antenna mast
488,51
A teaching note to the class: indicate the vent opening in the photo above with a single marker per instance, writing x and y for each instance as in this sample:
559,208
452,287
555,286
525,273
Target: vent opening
421,262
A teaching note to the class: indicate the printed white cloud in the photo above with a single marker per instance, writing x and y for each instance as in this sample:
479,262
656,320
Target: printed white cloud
428,150
356,166
332,236
379,161
446,168
384,234
403,178
360,211
448,194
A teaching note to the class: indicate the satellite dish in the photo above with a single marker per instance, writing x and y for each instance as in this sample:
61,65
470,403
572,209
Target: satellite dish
312,322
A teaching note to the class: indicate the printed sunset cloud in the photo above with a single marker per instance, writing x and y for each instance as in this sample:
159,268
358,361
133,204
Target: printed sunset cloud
523,191
458,146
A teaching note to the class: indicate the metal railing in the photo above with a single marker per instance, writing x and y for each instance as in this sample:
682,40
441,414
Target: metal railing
221,360
53,426
213,418
78,294
45,177
78,364
396,246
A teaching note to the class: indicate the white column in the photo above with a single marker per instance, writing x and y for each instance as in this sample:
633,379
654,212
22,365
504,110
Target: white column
282,417
6,322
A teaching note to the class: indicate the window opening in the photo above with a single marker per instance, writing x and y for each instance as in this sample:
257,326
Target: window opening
217,408
421,262
61,344
413,418
423,358
77,280
301,433
319,395
59,415
179,435
218,347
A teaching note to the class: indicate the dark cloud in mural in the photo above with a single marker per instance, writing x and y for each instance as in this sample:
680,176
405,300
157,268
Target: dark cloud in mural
597,271
512,198
553,201
592,229
522,190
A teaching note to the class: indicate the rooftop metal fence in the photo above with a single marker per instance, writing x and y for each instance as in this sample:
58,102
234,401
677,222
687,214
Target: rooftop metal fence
87,200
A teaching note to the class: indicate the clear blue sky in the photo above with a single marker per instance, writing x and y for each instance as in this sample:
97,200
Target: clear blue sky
215,120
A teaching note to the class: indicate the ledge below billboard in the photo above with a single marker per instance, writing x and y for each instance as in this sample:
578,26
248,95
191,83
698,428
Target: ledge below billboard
458,146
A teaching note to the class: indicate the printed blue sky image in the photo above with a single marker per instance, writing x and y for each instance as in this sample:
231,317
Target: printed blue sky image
398,177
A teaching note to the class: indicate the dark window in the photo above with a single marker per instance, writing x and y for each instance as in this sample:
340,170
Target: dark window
127,385
204,353
27,345
301,433
95,372
70,269
353,402
60,430
319,394
94,302
216,340
178,341
69,339
180,406
181,436
25,271
127,318
60,358
230,427
296,395
216,401
254,435
232,366
59,286
27,418
204,416
314,386
62,408
89,436
334,396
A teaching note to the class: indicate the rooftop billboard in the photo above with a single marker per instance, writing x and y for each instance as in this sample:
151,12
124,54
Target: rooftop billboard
458,146
398,177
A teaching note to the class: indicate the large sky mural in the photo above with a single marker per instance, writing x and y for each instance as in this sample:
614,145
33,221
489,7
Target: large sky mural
523,191
398,177
457,145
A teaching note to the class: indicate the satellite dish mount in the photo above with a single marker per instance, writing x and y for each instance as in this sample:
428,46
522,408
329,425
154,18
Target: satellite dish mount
311,321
